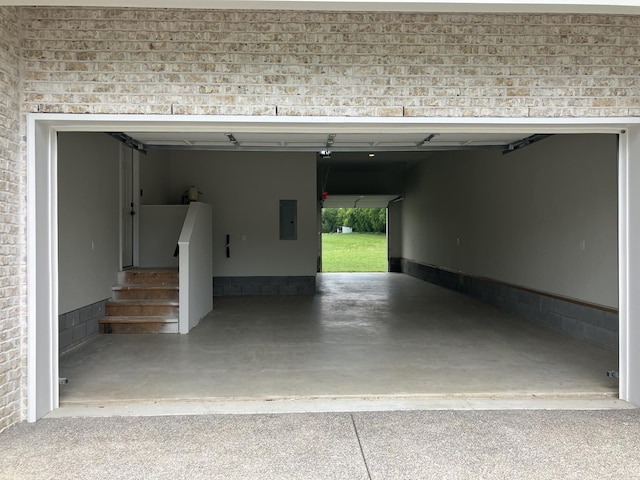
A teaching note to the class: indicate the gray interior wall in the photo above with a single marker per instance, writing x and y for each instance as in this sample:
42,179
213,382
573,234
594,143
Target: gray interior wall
394,230
88,219
154,178
160,229
244,189
544,217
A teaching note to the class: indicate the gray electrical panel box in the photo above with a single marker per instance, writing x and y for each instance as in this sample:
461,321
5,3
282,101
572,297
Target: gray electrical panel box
288,219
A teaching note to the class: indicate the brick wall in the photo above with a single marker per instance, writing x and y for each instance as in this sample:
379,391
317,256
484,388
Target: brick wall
314,63
12,227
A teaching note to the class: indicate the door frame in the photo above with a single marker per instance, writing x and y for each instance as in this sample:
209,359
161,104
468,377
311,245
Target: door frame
42,214
135,200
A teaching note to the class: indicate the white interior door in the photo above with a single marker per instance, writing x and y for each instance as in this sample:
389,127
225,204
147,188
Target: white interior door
128,208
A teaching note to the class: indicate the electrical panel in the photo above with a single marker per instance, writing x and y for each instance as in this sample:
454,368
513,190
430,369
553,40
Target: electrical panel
288,219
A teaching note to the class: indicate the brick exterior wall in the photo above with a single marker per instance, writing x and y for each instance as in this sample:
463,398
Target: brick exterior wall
12,227
183,62
315,63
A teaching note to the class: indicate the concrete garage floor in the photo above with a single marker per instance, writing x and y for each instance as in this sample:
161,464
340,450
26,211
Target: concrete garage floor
387,341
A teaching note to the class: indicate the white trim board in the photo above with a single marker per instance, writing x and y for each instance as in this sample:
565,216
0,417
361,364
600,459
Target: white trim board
269,124
42,393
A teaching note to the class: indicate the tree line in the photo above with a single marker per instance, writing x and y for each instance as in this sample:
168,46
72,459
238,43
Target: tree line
369,220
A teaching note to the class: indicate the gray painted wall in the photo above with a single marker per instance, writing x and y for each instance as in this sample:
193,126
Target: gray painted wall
154,179
394,229
544,217
160,229
88,220
244,189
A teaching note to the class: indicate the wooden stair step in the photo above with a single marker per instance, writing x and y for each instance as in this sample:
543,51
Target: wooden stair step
145,292
130,324
145,300
140,308
145,286
131,319
149,276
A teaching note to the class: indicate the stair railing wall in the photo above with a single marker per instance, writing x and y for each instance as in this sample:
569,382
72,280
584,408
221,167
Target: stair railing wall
196,266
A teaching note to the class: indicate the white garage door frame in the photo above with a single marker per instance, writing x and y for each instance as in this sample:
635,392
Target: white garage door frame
42,216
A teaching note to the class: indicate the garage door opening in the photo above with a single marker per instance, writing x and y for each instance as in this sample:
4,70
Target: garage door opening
341,313
354,240
421,330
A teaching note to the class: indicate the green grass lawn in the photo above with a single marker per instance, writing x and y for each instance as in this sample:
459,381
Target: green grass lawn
354,252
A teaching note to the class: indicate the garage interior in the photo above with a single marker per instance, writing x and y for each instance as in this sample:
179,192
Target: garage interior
456,218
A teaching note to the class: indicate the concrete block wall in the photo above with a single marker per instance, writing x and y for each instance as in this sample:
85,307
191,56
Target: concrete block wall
80,325
265,285
590,323
182,62
12,227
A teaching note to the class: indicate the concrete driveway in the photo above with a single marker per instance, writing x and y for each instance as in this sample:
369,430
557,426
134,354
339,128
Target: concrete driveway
437,444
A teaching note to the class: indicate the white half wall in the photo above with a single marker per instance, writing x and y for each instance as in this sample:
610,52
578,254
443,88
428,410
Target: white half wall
544,217
196,285
88,218
244,190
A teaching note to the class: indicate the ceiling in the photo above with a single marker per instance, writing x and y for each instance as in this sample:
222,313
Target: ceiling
350,150
339,152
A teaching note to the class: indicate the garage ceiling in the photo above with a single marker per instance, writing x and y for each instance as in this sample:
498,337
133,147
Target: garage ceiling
355,153
348,149
326,142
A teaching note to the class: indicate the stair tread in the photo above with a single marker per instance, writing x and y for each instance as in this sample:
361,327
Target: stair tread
147,276
144,301
151,269
126,319
146,286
